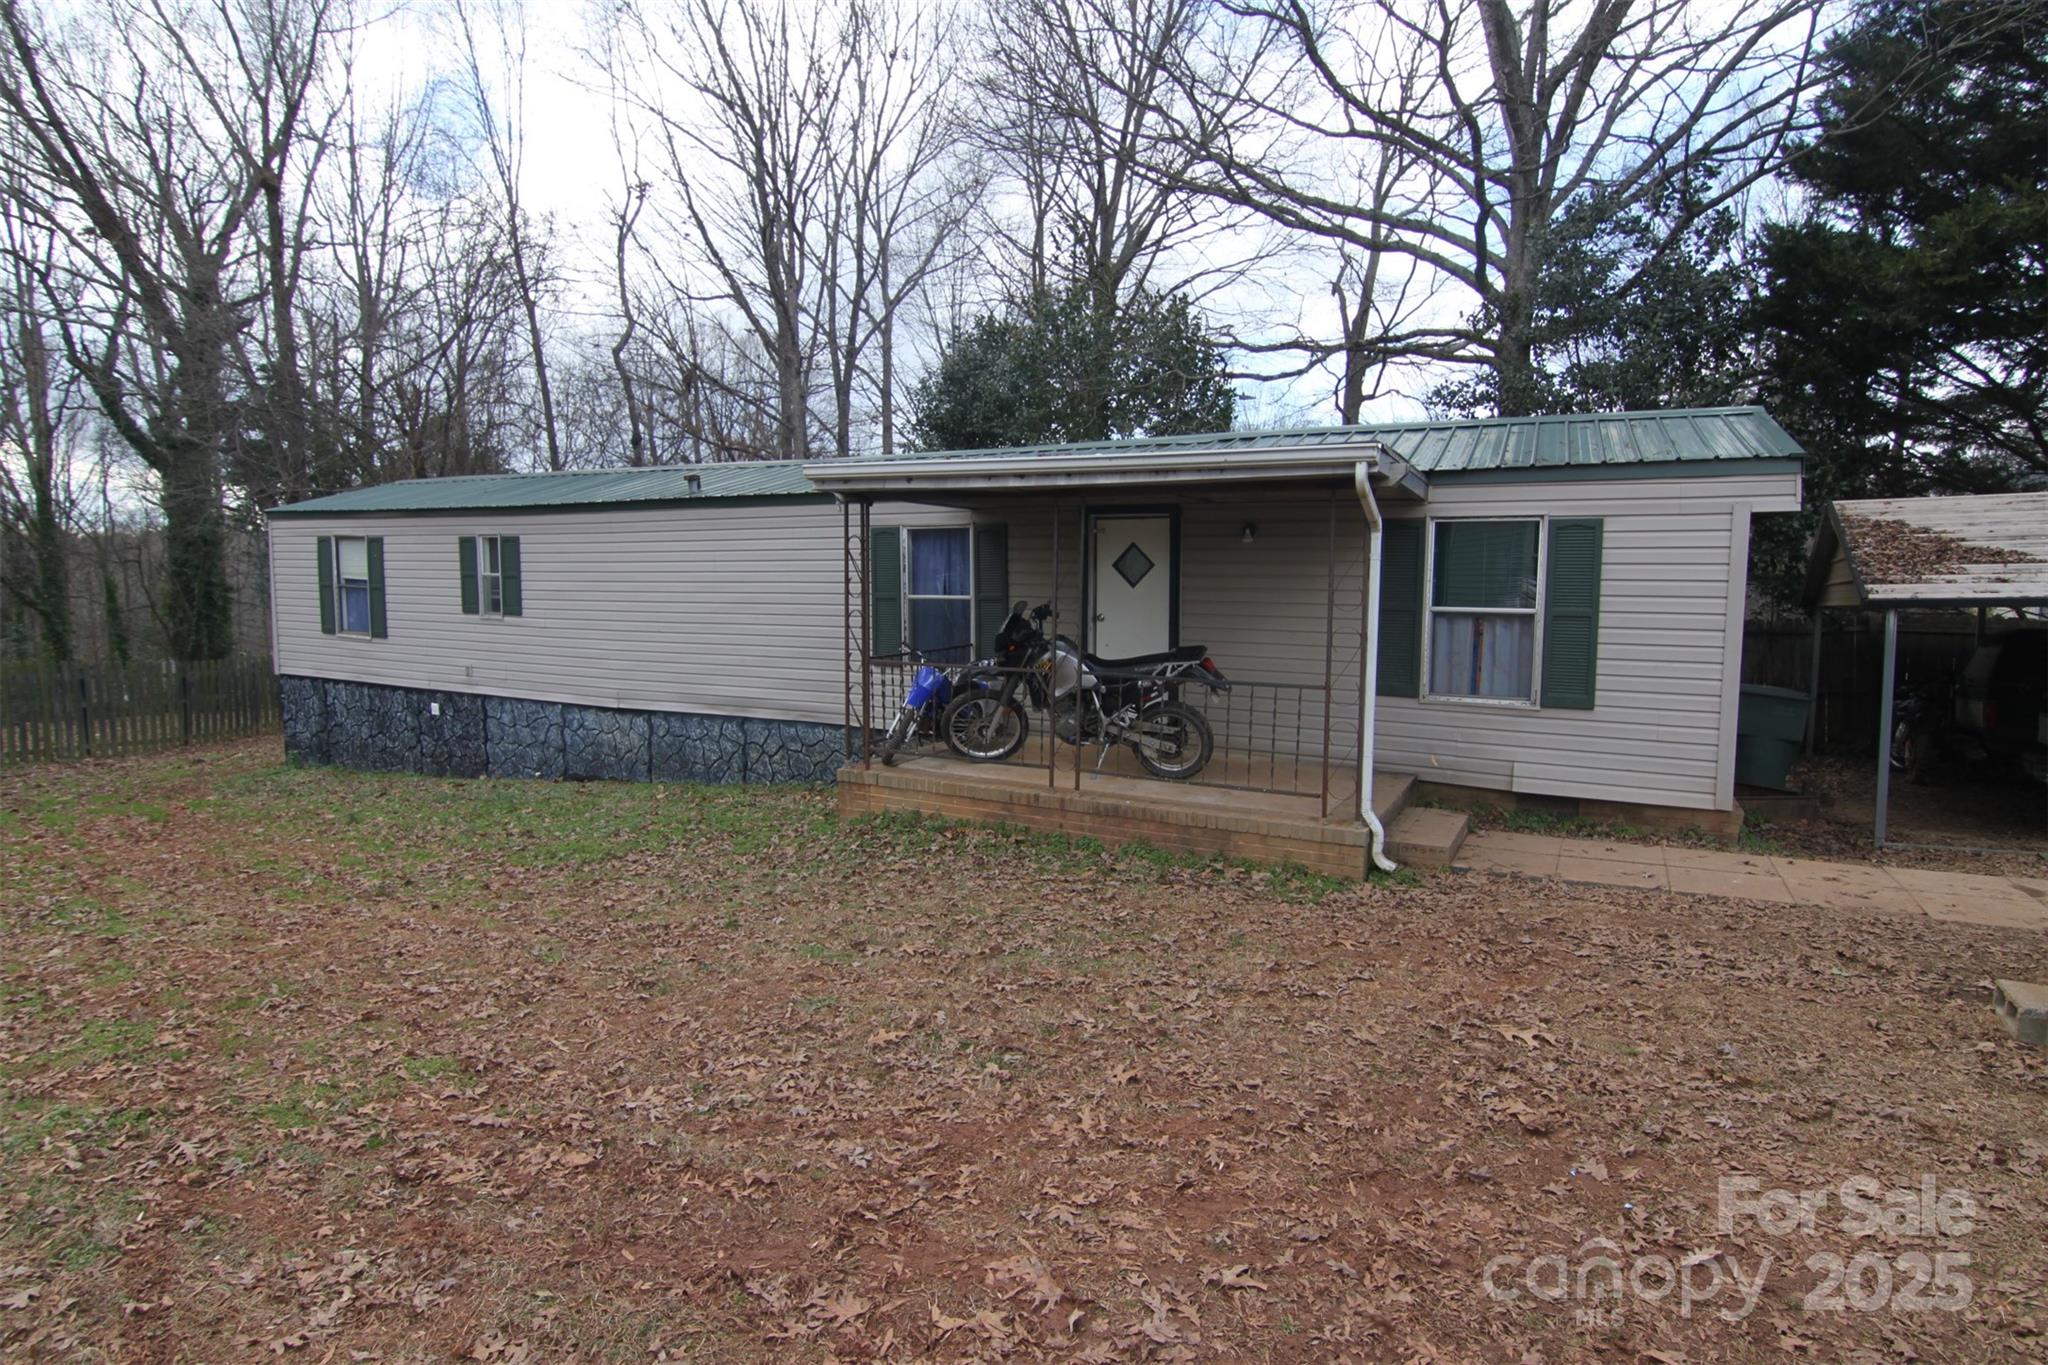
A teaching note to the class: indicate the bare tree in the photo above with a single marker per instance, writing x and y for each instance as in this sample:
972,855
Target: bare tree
500,122
894,198
1077,98
1521,111
150,134
625,216
39,402
740,97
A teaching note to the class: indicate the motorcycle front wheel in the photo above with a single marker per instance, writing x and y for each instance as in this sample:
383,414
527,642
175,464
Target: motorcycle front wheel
981,727
899,731
1173,741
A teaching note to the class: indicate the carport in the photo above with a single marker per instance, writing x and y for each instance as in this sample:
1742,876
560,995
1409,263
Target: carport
1978,552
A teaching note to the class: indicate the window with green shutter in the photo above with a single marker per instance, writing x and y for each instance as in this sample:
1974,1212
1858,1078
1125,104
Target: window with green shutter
358,582
492,581
939,598
1482,610
1571,613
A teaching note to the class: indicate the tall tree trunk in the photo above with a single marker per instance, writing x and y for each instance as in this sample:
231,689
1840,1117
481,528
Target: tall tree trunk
641,448
197,605
531,305
46,535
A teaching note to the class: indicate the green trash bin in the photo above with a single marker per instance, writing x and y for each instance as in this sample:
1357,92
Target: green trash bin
1770,731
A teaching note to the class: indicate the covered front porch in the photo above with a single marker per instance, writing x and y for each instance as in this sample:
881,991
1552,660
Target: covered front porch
1262,551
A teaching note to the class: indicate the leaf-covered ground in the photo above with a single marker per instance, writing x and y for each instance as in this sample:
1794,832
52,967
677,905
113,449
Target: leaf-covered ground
342,1067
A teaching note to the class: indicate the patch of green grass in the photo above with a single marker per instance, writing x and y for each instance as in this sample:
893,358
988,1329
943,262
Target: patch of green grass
25,1125
101,1040
814,1003
440,1070
114,973
289,1114
66,1230
1757,836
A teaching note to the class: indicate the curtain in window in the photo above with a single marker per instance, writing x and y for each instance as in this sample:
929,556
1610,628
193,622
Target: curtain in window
938,563
353,554
941,612
1477,655
943,627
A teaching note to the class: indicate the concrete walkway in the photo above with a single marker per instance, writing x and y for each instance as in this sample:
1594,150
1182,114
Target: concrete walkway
1967,898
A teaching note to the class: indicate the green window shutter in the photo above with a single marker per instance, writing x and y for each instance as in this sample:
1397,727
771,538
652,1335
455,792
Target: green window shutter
326,549
885,591
991,585
465,557
1400,642
376,548
1571,614
508,574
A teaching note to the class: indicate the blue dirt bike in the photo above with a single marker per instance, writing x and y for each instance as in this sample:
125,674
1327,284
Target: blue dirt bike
931,691
935,687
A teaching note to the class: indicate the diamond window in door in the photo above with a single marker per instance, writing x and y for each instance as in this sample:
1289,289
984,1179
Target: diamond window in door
1132,565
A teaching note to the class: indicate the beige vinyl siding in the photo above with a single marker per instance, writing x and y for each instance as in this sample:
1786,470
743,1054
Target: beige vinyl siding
723,608
1675,554
1260,608
1662,732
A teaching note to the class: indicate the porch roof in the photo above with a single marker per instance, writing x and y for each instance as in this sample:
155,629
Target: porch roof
1404,455
1228,458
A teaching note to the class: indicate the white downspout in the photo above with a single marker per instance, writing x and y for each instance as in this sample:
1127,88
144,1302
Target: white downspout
1369,664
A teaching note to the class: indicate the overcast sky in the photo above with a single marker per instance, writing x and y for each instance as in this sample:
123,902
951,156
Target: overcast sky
572,174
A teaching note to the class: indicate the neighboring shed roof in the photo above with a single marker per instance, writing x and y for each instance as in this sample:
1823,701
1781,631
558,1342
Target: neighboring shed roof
571,488
1502,443
1981,550
1602,438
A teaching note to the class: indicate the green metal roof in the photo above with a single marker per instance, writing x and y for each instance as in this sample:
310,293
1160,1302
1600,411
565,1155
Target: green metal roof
1599,438
571,488
1533,443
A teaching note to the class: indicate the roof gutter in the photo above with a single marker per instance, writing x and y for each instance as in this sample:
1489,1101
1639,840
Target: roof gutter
1101,466
1369,665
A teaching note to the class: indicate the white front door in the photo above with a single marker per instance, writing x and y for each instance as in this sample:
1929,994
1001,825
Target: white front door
1132,578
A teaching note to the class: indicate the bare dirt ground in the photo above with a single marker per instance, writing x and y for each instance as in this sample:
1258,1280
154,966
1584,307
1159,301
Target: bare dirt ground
1965,807
1963,820
337,1067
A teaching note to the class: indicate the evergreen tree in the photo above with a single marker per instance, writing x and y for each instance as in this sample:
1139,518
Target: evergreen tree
1060,368
1903,315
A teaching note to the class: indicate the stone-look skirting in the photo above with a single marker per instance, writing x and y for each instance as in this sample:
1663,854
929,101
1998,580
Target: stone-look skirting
397,729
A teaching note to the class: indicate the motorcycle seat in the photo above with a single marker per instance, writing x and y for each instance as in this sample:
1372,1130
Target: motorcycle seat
1186,654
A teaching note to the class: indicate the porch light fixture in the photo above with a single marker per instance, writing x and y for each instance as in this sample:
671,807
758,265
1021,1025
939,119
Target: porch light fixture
1251,532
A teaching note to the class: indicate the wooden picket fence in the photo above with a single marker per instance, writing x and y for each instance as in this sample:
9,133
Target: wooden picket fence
50,714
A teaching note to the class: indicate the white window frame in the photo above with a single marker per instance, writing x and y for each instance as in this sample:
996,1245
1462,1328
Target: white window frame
486,547
341,626
910,535
1430,609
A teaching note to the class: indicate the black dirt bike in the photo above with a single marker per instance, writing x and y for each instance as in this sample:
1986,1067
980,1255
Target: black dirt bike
1134,702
